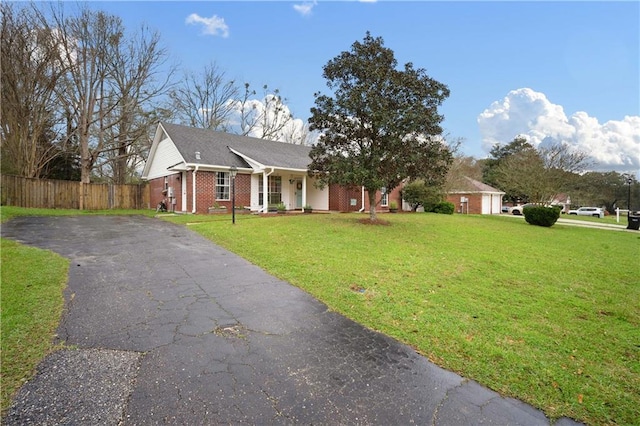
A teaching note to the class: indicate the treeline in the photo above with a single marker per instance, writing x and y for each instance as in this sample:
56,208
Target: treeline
540,175
80,95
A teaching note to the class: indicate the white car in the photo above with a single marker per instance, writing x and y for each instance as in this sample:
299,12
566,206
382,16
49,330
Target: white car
519,210
588,211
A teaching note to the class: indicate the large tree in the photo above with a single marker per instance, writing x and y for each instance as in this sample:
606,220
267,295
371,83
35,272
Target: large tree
30,74
540,174
137,80
266,118
109,86
381,125
512,152
608,189
461,167
206,99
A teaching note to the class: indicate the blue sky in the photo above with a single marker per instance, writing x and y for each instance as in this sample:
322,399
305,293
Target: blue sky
562,70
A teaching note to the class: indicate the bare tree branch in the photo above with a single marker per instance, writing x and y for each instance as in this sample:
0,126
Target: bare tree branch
205,100
30,74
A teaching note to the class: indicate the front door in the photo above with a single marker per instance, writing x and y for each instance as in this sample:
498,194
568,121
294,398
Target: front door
298,194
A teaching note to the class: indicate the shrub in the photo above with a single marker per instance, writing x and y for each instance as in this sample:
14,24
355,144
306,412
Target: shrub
444,207
541,216
417,193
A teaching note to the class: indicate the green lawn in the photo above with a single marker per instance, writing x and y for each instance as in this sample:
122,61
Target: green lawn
608,219
547,315
7,212
31,285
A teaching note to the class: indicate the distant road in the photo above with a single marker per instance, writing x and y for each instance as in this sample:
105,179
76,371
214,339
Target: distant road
585,224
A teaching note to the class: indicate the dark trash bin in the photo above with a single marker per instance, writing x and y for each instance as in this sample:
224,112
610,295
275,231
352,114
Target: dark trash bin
634,222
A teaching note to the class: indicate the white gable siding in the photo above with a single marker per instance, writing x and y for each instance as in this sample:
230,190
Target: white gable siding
166,155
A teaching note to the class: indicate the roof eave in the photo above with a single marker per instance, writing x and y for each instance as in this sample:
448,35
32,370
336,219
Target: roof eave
475,192
214,167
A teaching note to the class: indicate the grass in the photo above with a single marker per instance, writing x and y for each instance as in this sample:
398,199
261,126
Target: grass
31,284
8,212
608,219
547,315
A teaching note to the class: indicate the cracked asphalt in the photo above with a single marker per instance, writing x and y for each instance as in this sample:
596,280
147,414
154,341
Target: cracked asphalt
164,327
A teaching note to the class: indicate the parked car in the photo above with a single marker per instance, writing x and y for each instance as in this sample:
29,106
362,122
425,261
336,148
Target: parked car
588,211
517,210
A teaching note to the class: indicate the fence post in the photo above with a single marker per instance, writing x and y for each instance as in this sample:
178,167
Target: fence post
81,201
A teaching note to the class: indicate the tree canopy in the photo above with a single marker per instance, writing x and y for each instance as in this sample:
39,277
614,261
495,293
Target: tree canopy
381,126
609,189
499,154
81,94
529,174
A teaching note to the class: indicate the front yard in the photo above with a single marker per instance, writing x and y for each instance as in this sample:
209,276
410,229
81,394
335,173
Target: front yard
546,315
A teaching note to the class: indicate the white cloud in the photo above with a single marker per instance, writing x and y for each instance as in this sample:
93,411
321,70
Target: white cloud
614,145
305,8
210,26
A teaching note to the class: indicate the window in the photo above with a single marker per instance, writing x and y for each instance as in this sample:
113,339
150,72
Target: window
274,188
222,186
385,197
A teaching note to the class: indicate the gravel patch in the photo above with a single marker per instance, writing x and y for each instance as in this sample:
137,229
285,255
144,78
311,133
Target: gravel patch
85,386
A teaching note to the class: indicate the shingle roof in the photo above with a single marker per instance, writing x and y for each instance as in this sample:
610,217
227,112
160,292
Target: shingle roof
214,148
472,185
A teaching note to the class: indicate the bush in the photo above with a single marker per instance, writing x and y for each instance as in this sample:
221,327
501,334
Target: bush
417,193
444,207
541,216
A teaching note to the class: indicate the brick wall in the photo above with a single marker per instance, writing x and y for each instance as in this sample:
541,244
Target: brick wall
475,203
340,199
156,186
205,191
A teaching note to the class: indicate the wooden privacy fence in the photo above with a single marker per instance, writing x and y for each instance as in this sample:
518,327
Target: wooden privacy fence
61,194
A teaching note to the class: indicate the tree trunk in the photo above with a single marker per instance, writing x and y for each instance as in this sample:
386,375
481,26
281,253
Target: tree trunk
372,204
85,156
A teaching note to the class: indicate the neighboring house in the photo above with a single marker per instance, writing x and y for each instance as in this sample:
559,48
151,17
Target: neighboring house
192,165
474,197
562,200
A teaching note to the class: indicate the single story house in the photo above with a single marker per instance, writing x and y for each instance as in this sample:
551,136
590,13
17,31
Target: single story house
562,200
474,197
192,167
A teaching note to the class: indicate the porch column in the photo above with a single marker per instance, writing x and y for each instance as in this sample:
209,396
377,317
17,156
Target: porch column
183,191
265,191
304,191
193,190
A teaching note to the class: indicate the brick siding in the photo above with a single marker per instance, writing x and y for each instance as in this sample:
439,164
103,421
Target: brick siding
475,203
339,197
205,191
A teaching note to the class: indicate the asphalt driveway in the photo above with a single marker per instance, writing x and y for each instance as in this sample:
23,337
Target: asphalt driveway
165,327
